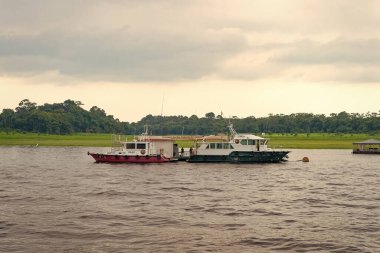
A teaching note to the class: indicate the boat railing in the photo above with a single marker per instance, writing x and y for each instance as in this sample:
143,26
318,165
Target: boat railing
148,151
117,142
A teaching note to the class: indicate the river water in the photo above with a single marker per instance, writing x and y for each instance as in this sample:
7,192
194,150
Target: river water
59,200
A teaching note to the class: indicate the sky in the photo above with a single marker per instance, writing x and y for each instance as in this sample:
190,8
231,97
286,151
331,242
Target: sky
237,57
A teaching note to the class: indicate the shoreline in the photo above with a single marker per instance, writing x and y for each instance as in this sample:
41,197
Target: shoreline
276,141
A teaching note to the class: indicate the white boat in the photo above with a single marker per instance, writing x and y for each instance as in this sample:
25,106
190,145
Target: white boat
144,149
241,148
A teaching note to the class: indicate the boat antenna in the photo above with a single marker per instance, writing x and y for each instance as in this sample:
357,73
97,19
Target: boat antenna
162,104
231,128
162,110
144,135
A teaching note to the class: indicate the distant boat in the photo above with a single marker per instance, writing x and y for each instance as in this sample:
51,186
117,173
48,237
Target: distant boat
370,146
242,148
144,149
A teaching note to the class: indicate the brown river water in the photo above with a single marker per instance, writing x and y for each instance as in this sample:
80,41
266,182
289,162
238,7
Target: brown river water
59,200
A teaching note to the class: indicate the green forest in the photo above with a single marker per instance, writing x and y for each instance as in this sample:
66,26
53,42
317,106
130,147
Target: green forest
69,117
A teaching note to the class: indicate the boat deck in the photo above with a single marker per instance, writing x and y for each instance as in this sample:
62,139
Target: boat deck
369,151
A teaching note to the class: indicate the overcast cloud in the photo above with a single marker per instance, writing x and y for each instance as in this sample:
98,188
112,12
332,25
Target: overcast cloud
245,57
169,41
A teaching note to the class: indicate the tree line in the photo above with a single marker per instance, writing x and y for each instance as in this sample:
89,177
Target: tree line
69,117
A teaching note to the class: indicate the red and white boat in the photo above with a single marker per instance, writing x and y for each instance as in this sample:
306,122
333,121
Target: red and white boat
144,149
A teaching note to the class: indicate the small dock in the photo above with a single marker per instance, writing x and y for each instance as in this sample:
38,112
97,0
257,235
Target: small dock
371,146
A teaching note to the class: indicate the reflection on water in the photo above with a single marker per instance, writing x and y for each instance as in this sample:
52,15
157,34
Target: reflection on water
58,199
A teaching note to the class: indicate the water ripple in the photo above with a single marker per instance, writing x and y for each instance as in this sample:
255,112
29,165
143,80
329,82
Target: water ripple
68,203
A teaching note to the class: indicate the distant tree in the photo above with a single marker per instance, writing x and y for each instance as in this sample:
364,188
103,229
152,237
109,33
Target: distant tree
69,117
97,111
25,105
210,115
6,119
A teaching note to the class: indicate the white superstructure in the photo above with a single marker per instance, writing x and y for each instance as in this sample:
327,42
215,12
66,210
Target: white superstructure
238,142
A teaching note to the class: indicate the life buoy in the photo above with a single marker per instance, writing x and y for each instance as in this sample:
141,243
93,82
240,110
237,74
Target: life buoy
142,151
237,141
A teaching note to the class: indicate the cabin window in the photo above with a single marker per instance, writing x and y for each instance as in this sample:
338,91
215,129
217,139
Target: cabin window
141,145
212,145
226,145
130,145
263,142
219,145
251,142
208,146
244,142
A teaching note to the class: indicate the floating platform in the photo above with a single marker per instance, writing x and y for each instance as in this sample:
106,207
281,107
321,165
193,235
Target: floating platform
371,146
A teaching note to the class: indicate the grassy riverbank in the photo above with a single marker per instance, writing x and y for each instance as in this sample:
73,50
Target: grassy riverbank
32,139
311,141
303,141
317,140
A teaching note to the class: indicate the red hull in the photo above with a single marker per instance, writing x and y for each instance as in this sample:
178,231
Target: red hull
102,158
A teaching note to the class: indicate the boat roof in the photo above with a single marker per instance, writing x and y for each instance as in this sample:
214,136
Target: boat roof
158,138
212,138
150,139
370,141
248,136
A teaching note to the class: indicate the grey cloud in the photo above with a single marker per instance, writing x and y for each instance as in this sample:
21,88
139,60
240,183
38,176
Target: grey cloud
170,40
78,39
341,60
339,51
338,61
114,56
39,14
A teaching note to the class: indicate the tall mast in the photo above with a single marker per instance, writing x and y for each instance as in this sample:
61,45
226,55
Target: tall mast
232,130
162,104
145,134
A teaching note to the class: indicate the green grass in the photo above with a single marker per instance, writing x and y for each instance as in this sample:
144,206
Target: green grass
91,140
317,140
310,141
302,141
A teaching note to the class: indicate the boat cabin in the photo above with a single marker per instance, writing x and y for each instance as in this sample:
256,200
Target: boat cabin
241,148
250,142
371,146
151,146
240,142
219,145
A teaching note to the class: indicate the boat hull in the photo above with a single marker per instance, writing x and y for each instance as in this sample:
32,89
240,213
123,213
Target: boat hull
241,157
110,158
